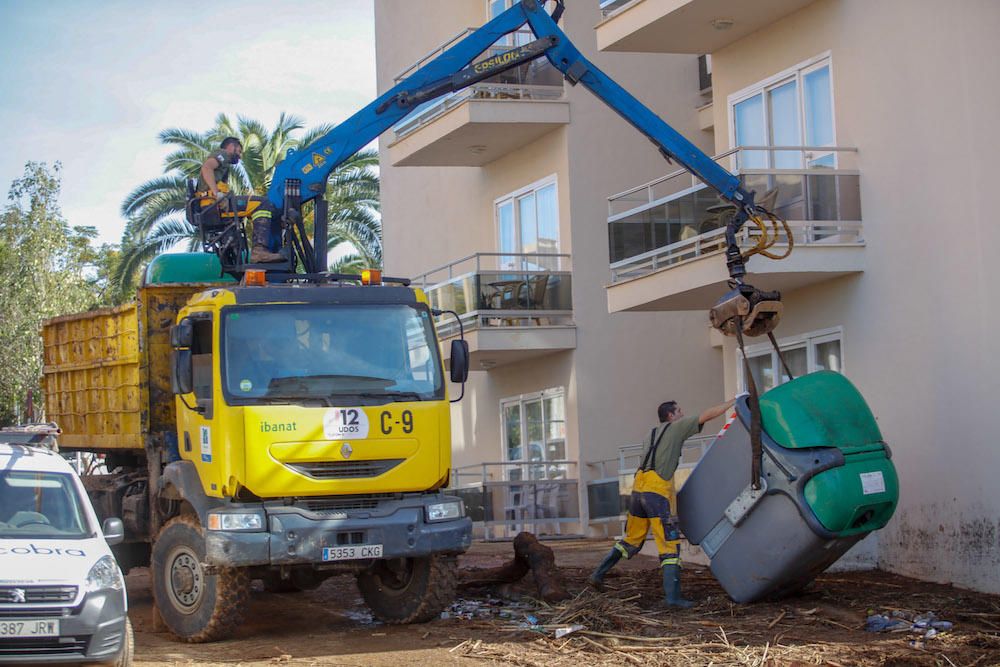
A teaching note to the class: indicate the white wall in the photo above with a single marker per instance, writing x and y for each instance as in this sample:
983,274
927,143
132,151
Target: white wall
917,86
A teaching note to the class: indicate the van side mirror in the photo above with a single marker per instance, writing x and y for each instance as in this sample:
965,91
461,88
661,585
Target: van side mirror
459,361
182,334
181,371
114,531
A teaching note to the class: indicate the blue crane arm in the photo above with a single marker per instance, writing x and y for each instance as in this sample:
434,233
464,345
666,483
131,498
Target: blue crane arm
565,57
314,163
309,167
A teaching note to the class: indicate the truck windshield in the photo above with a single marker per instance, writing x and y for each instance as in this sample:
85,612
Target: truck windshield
40,505
373,353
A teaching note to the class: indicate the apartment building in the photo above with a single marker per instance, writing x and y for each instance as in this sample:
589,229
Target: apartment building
885,116
495,199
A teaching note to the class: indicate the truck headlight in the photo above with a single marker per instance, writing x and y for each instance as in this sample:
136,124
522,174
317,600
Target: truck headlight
445,511
236,521
105,575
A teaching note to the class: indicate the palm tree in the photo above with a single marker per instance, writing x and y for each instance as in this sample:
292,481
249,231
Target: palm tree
155,209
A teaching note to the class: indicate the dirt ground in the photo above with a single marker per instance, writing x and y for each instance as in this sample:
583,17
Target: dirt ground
823,626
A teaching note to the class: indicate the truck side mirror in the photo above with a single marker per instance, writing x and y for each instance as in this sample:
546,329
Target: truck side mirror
459,361
182,334
181,372
114,531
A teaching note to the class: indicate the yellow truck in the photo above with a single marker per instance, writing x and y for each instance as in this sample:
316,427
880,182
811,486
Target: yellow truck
279,432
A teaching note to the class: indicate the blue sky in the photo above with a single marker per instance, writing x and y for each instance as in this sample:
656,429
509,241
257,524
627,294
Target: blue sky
91,84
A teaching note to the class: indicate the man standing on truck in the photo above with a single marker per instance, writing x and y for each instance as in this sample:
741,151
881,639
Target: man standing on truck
213,182
649,506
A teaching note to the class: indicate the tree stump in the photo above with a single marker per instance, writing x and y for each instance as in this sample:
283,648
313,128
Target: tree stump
529,555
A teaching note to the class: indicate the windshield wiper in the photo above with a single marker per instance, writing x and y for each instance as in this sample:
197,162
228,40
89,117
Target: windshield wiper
390,396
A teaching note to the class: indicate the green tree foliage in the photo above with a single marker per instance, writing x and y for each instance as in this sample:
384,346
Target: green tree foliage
47,268
155,209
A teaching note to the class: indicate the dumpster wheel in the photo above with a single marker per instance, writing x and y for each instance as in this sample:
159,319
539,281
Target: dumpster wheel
196,606
409,590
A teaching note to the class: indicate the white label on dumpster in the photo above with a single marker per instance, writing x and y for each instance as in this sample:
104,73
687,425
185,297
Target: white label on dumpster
872,482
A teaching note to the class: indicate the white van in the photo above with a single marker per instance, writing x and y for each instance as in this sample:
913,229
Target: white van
62,595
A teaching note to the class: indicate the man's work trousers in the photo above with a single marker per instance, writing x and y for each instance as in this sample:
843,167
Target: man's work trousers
649,509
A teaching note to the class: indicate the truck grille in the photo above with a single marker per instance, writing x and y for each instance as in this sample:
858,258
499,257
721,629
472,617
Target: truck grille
37,594
345,469
44,646
343,503
19,611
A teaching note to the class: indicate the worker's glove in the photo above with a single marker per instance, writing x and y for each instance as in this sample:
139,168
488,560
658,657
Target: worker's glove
219,196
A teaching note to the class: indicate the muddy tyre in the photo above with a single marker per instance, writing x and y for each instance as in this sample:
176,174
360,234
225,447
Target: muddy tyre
125,658
197,607
409,590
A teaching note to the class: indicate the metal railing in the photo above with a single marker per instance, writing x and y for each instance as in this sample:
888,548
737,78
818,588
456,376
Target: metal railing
536,80
501,290
607,493
609,7
505,497
815,188
714,242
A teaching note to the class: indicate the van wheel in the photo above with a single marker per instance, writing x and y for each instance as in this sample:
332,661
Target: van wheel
197,607
128,647
409,590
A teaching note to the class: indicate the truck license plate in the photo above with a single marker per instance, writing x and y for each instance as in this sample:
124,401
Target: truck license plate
30,628
354,552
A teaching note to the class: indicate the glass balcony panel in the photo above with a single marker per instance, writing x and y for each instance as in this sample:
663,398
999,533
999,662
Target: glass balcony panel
535,80
500,297
685,225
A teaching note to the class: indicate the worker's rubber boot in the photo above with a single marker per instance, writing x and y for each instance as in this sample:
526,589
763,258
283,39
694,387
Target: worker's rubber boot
261,236
596,579
672,588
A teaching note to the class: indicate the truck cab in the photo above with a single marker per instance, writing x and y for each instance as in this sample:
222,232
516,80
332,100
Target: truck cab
312,439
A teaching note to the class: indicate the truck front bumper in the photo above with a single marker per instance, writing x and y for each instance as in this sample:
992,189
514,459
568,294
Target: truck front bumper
297,536
94,631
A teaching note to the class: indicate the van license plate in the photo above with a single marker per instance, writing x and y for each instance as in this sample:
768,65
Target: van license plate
31,628
354,552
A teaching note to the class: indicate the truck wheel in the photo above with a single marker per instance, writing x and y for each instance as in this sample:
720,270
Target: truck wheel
409,590
128,647
197,607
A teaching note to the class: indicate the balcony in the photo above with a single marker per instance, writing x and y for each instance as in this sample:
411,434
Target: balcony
666,237
485,121
512,307
685,26
503,498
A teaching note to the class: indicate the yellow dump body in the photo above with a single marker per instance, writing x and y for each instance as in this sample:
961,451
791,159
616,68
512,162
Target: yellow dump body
107,372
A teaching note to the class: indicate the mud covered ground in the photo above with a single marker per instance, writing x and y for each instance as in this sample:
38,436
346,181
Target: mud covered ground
824,626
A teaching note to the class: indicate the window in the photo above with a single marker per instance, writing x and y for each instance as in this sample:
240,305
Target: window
201,358
534,431
372,354
40,506
528,223
812,352
794,108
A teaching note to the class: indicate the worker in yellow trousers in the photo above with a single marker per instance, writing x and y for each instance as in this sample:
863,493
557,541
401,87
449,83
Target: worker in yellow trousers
652,489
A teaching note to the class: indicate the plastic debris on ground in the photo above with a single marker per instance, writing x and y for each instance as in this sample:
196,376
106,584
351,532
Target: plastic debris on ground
490,608
928,625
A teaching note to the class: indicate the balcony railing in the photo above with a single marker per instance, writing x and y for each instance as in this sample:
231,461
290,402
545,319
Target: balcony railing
501,290
677,217
536,80
506,497
611,6
607,494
